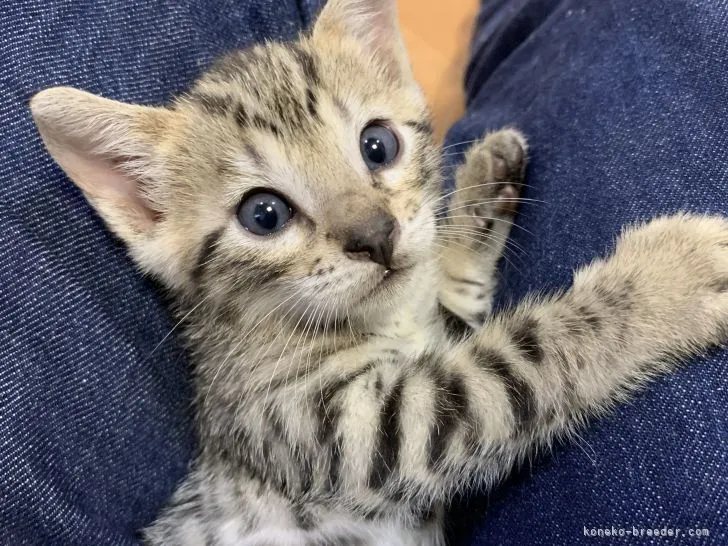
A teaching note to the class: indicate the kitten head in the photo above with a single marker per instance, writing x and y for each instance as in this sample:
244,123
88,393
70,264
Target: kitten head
297,175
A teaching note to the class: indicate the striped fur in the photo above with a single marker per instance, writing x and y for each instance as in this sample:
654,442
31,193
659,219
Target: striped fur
338,404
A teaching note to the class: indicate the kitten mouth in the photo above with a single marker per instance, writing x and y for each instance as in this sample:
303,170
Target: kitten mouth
390,278
392,275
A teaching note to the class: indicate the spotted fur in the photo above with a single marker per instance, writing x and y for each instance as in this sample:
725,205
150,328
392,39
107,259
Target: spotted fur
339,403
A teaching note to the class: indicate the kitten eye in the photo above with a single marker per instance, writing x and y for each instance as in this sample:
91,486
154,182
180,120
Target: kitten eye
264,213
379,146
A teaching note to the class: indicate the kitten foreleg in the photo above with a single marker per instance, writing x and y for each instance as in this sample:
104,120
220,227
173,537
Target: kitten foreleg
412,433
476,230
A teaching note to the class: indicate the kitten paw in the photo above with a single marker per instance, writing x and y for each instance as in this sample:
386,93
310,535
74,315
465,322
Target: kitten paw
488,184
677,271
477,227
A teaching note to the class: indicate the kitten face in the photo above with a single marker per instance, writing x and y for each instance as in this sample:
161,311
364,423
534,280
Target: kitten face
311,157
330,130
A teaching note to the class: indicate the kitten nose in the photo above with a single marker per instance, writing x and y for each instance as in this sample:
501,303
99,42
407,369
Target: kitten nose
374,239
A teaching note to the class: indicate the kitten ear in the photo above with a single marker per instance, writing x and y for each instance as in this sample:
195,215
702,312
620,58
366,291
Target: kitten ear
108,149
373,23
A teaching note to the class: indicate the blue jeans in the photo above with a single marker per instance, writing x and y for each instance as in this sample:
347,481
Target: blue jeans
624,104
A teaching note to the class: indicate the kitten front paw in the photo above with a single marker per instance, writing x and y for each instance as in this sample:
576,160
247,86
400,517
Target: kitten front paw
488,184
675,269
481,214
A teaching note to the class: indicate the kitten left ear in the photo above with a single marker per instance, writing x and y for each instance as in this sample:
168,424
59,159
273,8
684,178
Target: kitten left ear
372,23
108,149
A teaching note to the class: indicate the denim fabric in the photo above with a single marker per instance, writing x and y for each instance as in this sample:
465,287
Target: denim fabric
625,105
94,433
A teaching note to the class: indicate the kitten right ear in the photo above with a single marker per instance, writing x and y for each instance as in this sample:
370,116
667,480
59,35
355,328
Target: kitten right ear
373,24
108,149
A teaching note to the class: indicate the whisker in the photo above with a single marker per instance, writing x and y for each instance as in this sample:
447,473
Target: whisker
468,235
348,322
499,200
503,220
259,358
283,351
219,369
318,320
453,192
443,210
175,327
281,320
505,200
309,328
459,144
320,375
465,230
302,339
502,254
483,185
592,457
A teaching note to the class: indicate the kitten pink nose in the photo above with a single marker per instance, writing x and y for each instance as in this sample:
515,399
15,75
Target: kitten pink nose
373,239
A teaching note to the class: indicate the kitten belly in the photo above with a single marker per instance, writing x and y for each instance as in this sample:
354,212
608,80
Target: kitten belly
210,510
352,533
338,531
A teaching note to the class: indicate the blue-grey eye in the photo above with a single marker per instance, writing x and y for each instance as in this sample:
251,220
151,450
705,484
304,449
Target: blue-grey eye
264,213
379,146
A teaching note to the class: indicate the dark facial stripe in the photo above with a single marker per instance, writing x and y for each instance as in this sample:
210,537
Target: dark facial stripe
525,338
451,410
250,272
285,109
341,107
519,392
254,155
386,451
206,252
308,65
423,127
455,327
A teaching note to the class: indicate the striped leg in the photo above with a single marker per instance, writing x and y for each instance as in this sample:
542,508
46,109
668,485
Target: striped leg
410,433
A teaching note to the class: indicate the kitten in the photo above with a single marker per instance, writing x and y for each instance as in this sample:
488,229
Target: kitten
348,381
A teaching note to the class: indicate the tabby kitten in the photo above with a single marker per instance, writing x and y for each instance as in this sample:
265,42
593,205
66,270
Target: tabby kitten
348,382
